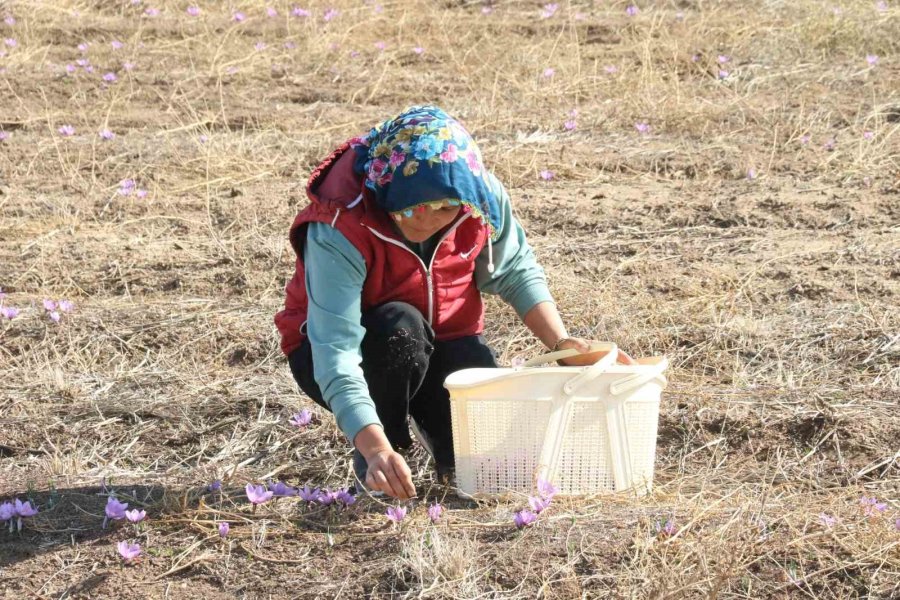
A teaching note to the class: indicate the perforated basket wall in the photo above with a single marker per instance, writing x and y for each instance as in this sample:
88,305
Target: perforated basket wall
498,443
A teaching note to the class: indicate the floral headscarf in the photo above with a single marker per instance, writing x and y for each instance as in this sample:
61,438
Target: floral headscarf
425,158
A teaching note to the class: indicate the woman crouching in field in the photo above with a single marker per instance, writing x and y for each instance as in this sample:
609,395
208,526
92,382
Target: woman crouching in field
405,230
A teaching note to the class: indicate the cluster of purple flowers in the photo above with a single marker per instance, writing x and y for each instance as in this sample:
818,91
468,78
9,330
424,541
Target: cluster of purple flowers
538,504
259,494
301,419
129,186
14,512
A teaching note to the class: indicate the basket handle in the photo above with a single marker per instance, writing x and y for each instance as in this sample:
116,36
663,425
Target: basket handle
560,354
638,379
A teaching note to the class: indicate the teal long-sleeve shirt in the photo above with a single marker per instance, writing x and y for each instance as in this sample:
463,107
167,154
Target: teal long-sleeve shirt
335,273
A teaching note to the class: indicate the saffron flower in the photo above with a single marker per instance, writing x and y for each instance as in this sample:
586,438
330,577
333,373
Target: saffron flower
327,497
260,46
827,520
804,140
751,174
114,510
11,42
82,47
545,489
829,144
110,77
193,11
881,6
868,135
54,316
152,12
419,50
66,130
309,495
642,127
722,58
129,552
396,513
257,494
434,512
486,10
611,69
897,524
4,136
271,12
345,497
23,510
537,504
547,175
524,518
871,506
49,304
10,313
549,72
380,45
215,486
127,66
9,20
300,12
280,489
238,16
224,528
632,10
135,515
570,125
723,74
549,10
330,14
7,513
301,419
106,134
872,59
665,529
116,45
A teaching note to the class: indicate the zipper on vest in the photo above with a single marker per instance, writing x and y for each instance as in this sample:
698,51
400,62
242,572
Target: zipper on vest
427,268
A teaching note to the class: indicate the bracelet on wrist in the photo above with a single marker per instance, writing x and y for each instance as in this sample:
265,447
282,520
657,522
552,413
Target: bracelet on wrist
560,341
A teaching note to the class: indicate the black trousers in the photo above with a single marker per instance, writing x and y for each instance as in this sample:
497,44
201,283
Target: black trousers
405,368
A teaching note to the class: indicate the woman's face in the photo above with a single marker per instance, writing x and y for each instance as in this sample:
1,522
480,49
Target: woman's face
425,223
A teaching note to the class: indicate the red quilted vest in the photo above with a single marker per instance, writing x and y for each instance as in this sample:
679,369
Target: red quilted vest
444,291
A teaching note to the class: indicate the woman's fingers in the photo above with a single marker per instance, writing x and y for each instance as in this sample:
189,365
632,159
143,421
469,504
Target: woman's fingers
625,359
382,483
404,476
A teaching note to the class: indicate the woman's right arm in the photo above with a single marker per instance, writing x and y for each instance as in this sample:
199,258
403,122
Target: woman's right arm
335,273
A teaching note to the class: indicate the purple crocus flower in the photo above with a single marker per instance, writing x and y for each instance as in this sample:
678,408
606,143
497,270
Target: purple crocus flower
396,513
271,12
751,173
524,518
259,46
106,134
193,11
152,12
281,490
611,69
327,497
224,528
827,520
872,59
127,66
723,74
4,135
238,16
215,486
434,512
114,510
82,62
116,45
546,490
665,529
549,72
110,77
66,130
897,524
300,12
49,304
419,50
868,135
126,187
310,495
345,497
632,10
380,45
82,47
537,504
7,512
642,127
9,312
722,58
871,506
570,125
135,515
129,552
54,316
301,419
486,10
9,20
547,175
549,10
829,144
258,494
23,510
141,193
11,42
330,14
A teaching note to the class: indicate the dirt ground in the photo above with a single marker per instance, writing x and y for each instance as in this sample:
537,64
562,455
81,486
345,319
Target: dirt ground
752,235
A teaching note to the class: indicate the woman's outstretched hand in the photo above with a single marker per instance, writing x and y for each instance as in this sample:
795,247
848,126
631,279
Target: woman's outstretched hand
388,471
584,346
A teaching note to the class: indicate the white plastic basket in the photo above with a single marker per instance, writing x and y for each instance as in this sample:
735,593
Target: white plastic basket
588,430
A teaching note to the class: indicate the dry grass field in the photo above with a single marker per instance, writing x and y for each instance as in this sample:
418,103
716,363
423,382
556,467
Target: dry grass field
729,196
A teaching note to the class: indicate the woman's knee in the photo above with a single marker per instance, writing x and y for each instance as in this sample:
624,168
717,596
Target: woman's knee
396,335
